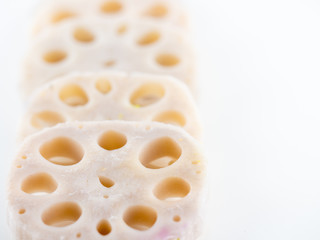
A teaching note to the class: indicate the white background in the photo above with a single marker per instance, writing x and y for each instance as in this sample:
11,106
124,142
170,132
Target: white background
259,65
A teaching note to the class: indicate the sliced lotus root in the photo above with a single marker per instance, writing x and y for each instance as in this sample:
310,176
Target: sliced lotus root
161,11
94,44
112,96
113,179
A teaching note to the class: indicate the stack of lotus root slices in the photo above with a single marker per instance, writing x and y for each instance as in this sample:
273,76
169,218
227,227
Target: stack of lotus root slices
109,146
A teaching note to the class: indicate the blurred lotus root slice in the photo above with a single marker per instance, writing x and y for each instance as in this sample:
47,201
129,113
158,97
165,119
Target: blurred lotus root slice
92,44
112,96
54,12
114,179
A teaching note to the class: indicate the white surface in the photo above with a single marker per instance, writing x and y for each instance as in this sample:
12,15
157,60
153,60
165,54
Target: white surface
259,65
